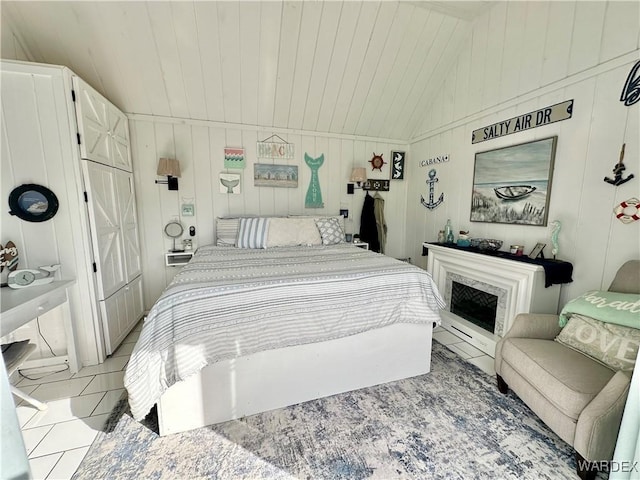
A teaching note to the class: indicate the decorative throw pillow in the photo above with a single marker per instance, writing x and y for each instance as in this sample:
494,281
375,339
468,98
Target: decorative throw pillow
610,307
615,346
252,232
287,232
308,233
330,230
227,231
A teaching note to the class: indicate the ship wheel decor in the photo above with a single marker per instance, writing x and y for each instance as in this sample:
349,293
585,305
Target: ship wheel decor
377,162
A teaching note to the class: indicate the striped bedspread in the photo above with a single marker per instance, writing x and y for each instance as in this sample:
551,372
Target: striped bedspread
228,302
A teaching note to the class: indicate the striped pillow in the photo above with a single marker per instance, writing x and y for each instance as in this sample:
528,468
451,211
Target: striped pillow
252,233
227,232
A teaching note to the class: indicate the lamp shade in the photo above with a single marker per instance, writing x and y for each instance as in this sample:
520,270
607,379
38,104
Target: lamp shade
359,174
168,167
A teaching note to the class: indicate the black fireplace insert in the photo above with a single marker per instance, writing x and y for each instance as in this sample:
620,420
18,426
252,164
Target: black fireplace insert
474,305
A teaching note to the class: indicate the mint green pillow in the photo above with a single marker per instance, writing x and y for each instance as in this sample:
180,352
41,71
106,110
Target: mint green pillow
610,307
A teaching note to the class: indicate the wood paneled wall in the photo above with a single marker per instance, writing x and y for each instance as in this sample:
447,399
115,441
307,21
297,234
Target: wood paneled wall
199,146
521,57
346,67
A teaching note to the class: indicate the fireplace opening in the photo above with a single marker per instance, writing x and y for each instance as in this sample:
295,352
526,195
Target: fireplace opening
474,305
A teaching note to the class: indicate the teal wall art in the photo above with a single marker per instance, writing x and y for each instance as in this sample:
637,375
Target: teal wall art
314,195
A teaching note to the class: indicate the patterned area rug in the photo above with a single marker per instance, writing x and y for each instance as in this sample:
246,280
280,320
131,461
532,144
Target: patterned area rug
451,423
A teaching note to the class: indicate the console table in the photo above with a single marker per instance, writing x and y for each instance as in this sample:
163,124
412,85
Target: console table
22,305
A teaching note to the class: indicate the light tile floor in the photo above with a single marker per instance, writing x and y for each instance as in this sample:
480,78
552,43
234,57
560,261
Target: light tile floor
58,439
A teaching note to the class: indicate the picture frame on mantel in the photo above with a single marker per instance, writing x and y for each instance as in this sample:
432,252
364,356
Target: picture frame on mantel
537,251
513,184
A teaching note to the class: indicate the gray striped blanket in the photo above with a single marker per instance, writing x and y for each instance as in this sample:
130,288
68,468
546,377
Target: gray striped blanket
228,302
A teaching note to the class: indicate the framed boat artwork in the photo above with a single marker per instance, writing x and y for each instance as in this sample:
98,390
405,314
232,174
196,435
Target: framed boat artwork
513,184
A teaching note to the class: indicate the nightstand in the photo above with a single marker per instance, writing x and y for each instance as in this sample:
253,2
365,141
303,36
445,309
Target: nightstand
177,259
360,244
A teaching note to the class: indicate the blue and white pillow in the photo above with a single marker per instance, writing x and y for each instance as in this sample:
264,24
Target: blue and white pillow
252,233
330,230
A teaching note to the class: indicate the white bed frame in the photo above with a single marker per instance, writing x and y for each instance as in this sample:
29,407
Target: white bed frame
278,378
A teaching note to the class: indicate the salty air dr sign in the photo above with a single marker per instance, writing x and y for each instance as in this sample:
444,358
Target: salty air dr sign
544,116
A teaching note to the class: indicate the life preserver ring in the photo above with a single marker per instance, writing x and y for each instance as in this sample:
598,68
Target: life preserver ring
620,210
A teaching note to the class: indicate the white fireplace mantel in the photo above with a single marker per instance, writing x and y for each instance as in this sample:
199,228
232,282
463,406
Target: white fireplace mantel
519,287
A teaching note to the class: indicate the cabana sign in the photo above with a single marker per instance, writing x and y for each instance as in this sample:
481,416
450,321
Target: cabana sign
275,150
544,116
434,160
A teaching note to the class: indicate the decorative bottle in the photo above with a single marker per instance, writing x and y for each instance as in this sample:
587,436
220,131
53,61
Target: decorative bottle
448,232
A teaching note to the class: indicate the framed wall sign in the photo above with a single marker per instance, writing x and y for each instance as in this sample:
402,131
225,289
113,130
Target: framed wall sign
397,165
33,203
281,150
230,183
234,158
267,175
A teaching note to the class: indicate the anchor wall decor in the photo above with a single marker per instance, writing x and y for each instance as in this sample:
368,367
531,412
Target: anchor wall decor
431,182
618,170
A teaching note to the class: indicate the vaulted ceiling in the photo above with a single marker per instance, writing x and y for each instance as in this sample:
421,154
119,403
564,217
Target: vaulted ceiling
361,68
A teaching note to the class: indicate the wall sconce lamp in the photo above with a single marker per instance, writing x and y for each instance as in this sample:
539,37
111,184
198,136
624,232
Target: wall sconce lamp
169,167
359,176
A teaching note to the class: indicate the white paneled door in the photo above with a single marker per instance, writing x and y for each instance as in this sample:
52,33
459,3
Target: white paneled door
129,224
92,111
106,238
119,138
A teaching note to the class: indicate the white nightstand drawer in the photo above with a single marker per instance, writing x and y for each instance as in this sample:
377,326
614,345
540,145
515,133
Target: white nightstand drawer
177,259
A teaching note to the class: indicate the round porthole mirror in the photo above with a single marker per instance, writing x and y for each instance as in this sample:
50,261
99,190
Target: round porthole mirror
33,203
174,230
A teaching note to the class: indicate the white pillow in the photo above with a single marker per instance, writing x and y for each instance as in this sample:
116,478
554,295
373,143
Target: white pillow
252,233
330,230
340,218
289,232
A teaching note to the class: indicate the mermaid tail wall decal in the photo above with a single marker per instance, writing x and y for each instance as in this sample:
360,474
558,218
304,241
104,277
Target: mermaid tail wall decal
314,195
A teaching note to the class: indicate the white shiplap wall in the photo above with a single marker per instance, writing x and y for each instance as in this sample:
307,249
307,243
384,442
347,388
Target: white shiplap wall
521,57
199,146
39,146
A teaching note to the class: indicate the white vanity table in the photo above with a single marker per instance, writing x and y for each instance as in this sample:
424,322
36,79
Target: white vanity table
19,306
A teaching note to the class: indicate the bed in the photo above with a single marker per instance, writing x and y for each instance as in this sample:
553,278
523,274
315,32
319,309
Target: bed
240,331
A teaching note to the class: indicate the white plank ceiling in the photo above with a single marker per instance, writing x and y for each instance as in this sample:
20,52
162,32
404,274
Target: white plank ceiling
358,68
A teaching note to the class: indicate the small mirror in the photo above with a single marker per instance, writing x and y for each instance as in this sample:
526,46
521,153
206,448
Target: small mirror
174,230
33,203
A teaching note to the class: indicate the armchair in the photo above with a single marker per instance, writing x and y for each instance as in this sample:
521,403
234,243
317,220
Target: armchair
579,398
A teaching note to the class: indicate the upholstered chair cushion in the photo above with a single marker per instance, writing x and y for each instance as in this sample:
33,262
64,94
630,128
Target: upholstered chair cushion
567,378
